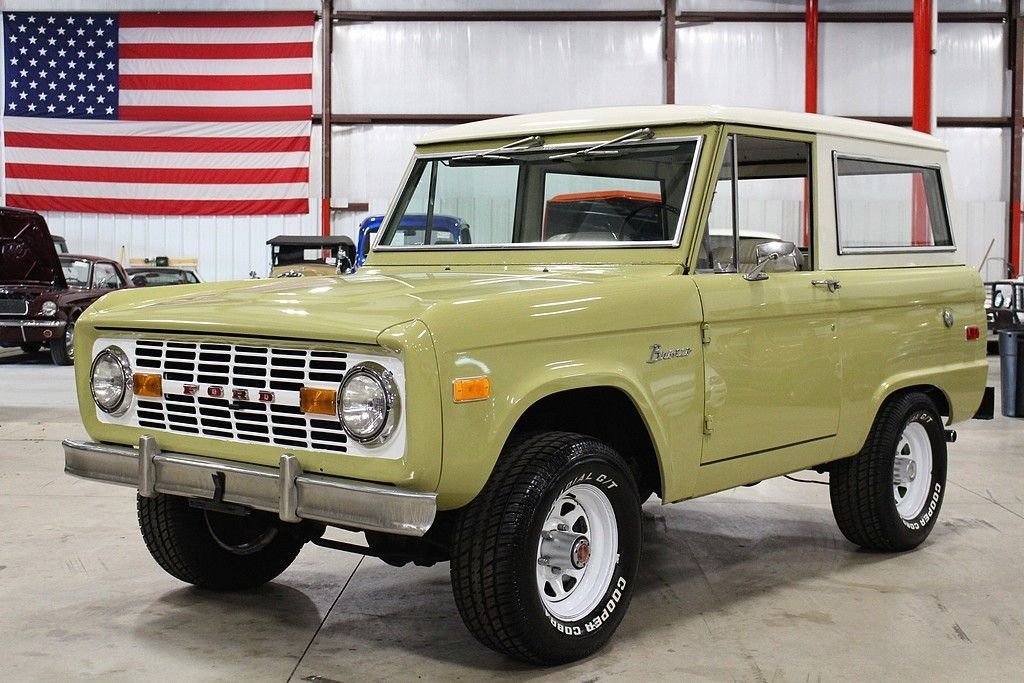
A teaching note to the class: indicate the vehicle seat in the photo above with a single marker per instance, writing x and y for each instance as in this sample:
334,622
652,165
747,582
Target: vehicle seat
721,259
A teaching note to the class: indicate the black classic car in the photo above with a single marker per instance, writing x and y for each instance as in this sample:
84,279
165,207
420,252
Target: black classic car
43,293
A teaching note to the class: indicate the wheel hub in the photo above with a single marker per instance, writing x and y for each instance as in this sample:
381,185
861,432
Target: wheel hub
561,549
580,552
904,471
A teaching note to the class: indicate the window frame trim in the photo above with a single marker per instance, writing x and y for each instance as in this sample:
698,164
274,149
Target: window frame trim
843,251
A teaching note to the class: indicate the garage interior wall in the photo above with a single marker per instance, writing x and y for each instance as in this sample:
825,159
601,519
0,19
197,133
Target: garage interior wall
396,77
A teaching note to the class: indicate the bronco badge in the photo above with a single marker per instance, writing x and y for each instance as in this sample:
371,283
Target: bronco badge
660,354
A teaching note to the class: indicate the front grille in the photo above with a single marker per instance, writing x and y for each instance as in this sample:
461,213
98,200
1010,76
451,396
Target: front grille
13,307
193,373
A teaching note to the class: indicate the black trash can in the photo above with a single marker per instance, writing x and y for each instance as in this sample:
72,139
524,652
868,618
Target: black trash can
1011,372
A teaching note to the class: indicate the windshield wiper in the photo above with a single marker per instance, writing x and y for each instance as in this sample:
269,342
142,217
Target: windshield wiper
601,148
518,145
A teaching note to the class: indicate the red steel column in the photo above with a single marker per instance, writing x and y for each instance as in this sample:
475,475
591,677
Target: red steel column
327,41
921,118
811,58
670,51
1015,33
922,115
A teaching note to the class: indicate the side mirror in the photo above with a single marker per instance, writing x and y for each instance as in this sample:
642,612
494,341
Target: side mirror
766,253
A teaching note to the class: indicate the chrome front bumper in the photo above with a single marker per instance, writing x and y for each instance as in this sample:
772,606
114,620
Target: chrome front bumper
31,323
286,490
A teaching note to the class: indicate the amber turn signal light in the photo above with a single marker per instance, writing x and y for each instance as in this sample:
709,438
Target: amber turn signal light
471,389
318,401
147,385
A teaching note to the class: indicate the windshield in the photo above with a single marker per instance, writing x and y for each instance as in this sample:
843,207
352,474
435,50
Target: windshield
590,196
76,271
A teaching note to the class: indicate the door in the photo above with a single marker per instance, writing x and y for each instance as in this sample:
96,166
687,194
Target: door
771,354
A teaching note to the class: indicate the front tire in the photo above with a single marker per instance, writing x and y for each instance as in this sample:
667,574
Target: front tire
888,496
216,550
544,560
62,350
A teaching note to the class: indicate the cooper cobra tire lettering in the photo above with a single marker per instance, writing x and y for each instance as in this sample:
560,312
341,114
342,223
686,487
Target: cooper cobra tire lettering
932,506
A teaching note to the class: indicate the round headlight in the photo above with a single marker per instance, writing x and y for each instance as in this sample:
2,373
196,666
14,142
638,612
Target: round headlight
111,381
368,403
48,308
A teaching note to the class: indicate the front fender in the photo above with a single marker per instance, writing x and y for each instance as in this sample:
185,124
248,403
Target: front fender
668,396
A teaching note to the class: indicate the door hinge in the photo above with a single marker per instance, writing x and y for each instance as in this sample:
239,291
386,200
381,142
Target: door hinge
705,333
709,424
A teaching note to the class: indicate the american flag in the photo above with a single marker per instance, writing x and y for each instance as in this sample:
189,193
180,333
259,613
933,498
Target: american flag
158,113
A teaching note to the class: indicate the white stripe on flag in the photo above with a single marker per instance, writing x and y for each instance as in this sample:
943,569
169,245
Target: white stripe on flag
281,34
222,67
153,190
258,129
91,159
213,98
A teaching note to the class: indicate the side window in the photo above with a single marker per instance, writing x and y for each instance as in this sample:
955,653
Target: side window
762,195
883,206
105,276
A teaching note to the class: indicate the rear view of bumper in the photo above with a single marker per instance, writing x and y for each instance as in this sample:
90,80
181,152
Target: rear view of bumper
286,490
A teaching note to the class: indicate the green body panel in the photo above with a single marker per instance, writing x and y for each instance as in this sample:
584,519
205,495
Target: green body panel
419,468
592,330
766,338
890,335
893,336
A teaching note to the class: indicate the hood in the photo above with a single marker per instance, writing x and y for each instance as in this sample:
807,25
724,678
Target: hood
350,309
27,254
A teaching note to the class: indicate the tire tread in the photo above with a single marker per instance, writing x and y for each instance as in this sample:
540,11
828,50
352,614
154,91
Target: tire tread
860,486
483,567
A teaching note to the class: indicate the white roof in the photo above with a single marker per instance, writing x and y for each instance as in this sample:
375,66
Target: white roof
608,118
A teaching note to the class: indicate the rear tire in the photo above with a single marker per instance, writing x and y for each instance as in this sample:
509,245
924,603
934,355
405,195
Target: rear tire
544,560
888,496
216,550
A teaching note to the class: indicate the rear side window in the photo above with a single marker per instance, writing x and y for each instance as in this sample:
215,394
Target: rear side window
885,206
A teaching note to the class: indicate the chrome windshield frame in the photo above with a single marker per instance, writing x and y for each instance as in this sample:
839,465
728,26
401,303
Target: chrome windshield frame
555,149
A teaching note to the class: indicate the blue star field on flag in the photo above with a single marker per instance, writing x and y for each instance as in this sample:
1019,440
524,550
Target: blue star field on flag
61,65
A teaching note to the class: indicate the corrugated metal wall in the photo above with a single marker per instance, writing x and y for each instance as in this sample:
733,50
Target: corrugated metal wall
432,67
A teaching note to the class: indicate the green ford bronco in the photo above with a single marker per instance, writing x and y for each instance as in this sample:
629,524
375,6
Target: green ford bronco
666,301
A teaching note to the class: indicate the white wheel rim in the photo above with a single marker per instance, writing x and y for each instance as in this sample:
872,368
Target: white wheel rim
577,552
912,471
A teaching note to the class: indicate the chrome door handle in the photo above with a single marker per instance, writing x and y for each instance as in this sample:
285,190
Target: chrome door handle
832,285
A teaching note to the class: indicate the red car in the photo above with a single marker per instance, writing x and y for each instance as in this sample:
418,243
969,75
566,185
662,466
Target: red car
42,294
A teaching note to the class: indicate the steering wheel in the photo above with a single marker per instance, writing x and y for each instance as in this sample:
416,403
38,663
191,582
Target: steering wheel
626,226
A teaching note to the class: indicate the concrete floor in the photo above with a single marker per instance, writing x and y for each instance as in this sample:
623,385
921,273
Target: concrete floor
755,584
